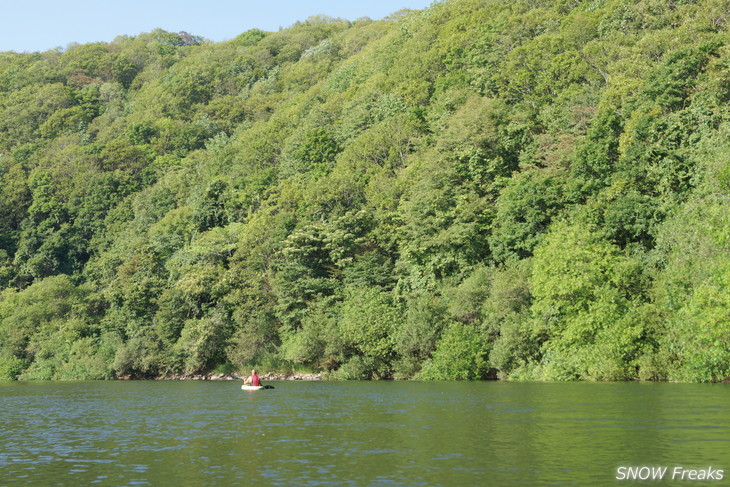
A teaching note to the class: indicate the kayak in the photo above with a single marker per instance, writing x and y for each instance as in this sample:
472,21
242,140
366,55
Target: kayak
246,387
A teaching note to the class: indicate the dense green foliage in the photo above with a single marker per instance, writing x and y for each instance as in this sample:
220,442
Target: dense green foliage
527,189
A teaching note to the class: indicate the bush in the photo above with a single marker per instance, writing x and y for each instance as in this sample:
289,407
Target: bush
369,318
11,367
317,343
515,346
460,355
417,335
361,368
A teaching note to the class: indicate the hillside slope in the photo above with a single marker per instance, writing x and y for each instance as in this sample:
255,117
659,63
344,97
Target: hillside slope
532,189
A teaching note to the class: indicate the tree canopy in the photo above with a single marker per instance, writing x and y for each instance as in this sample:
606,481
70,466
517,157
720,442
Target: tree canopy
526,190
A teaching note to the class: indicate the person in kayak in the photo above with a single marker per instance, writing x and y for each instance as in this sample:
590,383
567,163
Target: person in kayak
253,379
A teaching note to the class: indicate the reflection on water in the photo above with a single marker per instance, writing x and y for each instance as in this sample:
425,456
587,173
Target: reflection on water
355,433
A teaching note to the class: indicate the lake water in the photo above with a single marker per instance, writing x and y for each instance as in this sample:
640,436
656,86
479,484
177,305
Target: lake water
357,433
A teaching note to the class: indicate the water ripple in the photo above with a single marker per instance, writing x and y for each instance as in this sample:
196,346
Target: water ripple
390,434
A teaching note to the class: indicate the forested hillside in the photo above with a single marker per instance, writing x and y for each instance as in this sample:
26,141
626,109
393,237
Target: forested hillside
532,189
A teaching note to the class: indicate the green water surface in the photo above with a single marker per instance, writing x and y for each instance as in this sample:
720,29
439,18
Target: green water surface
357,433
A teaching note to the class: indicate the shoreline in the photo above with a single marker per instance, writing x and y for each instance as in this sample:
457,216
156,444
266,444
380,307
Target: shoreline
273,376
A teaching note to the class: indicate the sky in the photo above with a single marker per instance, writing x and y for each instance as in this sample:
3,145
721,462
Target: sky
39,25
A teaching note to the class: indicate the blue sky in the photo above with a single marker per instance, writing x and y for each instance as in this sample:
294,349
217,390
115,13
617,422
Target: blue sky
39,25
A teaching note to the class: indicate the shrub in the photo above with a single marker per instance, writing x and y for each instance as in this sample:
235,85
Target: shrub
460,355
